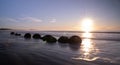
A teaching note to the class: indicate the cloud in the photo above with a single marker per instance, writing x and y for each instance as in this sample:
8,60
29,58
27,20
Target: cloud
30,19
12,20
23,19
53,21
8,20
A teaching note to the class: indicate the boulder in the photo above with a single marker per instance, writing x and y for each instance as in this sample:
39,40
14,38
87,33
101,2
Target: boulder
75,39
49,39
27,36
63,39
36,36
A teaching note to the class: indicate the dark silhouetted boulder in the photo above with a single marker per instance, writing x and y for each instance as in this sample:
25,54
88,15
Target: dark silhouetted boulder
27,36
75,39
44,38
36,36
49,39
17,34
12,33
63,39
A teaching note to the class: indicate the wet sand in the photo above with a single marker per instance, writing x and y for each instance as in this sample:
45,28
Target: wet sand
38,54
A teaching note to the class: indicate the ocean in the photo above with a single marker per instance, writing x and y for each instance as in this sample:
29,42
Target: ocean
96,49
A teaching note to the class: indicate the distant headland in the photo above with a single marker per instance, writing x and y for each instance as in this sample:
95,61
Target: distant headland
5,29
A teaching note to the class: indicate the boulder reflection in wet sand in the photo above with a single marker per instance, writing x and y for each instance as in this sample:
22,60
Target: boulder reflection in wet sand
36,36
75,40
63,45
27,36
63,39
74,47
49,39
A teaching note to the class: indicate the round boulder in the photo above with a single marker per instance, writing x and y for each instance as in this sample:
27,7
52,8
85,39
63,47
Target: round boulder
49,39
75,39
63,39
36,36
27,35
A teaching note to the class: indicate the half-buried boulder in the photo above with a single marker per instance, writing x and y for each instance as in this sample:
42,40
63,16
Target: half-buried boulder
27,36
49,39
36,36
75,40
63,39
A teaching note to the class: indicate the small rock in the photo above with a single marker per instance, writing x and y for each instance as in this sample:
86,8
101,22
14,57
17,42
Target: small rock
12,33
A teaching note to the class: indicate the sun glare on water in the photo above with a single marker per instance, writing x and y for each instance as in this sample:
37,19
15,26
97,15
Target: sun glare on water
87,47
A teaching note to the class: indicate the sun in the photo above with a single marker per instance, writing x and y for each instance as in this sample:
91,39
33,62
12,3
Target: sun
87,25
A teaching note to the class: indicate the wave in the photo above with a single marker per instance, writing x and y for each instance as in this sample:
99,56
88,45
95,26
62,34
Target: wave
107,39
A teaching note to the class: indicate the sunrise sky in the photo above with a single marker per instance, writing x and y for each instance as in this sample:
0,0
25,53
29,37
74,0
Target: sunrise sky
60,14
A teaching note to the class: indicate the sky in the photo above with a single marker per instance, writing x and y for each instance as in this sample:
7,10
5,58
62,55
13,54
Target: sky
59,14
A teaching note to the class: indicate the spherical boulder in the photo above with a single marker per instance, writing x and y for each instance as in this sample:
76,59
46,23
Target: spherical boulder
12,33
49,39
75,39
36,36
27,36
63,39
44,38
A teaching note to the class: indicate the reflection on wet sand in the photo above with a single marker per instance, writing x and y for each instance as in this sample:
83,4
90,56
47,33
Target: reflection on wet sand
88,49
74,47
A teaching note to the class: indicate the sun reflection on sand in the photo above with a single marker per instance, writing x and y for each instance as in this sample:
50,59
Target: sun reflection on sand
88,49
